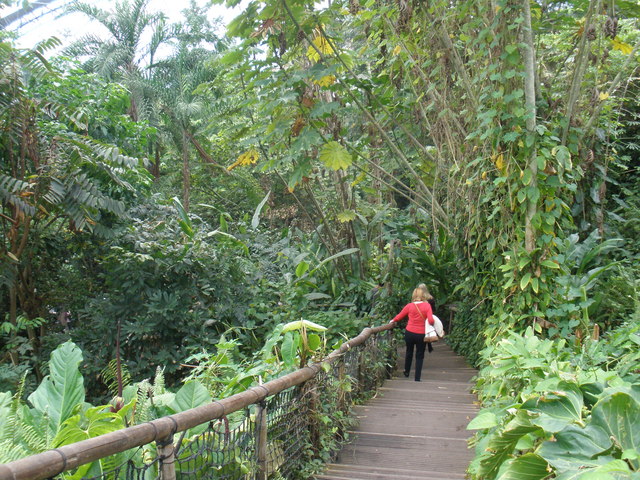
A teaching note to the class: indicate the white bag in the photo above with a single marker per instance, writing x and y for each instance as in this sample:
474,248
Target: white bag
433,333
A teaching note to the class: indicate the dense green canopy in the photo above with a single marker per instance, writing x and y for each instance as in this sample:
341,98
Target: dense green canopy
317,162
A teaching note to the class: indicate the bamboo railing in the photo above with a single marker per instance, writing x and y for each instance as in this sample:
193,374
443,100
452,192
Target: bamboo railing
264,458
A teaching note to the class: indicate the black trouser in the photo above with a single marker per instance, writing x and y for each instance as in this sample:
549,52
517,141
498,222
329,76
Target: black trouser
417,340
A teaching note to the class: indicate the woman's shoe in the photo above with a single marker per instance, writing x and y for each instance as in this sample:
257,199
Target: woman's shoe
406,374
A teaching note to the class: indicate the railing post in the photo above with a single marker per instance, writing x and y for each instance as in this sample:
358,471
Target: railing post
167,458
342,391
362,370
261,444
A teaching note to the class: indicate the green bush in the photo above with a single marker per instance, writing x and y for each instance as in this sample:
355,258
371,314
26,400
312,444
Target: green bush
554,408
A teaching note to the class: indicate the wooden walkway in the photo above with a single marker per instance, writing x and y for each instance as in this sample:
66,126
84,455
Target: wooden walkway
413,430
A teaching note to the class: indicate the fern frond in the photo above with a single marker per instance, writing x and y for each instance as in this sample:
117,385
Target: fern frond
32,439
10,451
158,382
143,404
109,376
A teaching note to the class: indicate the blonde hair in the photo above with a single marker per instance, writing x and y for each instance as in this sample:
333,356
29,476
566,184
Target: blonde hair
418,295
421,293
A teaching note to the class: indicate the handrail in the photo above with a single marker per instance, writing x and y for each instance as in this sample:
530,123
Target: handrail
53,462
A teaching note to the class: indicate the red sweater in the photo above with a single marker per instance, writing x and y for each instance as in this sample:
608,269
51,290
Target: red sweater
416,321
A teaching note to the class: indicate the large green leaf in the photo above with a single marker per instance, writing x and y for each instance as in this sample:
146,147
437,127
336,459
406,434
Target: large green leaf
618,414
612,470
185,222
348,251
271,342
303,324
483,420
335,156
5,403
575,446
313,341
302,268
526,467
62,390
95,421
501,445
289,348
557,409
192,394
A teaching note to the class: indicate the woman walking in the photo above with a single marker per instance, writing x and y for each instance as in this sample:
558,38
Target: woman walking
418,311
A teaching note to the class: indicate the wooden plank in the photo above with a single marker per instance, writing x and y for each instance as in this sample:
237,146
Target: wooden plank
413,429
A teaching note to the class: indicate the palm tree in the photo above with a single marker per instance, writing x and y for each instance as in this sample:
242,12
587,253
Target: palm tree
126,53
178,105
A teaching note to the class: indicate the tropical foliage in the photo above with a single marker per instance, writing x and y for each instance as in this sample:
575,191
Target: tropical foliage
180,198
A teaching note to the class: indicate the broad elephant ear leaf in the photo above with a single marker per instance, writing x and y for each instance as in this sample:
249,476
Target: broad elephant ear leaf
577,448
192,394
619,415
527,467
92,423
557,409
289,348
63,389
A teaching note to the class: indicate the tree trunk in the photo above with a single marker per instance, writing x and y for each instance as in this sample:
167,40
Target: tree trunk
581,65
530,101
156,166
186,174
13,318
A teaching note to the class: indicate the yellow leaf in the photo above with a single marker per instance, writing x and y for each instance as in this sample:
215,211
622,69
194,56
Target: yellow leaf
603,96
326,81
499,162
536,11
335,156
484,175
623,47
469,182
346,216
359,179
312,54
249,157
321,45
396,50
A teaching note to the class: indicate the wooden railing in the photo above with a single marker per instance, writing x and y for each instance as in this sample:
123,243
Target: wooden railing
255,455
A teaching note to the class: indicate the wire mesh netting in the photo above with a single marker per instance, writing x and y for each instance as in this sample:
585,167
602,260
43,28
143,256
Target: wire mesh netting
224,450
137,464
283,437
287,432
